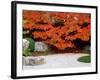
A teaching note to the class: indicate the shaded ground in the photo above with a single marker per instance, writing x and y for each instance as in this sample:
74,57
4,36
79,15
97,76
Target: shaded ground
60,61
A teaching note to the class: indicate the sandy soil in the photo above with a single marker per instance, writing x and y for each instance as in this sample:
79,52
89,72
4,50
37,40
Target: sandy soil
67,60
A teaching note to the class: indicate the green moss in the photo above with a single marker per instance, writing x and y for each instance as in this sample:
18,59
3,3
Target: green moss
40,53
85,59
26,52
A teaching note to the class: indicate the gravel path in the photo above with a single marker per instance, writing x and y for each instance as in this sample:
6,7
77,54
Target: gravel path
60,61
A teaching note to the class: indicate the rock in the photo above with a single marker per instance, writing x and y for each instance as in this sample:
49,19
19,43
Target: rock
33,60
25,43
40,46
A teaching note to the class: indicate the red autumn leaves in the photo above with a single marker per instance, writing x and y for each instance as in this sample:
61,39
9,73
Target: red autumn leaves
57,28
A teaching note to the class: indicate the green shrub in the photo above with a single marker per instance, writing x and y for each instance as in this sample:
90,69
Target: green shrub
31,44
85,59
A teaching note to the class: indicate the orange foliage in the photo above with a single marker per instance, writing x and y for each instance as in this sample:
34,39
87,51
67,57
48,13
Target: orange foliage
57,28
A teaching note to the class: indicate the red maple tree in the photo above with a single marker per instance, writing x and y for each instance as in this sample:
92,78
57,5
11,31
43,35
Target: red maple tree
58,29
